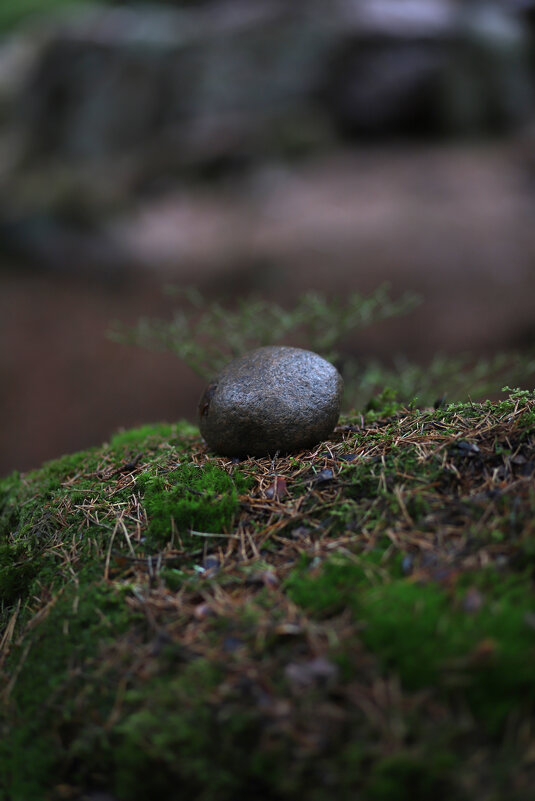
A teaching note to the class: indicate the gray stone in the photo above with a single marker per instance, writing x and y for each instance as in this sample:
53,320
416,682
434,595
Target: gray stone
271,399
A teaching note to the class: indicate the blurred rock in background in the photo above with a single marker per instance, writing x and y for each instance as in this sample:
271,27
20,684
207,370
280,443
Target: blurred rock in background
252,146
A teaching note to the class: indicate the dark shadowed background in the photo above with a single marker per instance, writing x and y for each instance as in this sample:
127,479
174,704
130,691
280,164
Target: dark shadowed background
248,147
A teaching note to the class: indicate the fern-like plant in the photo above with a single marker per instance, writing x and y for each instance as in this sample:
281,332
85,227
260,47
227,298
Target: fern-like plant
207,334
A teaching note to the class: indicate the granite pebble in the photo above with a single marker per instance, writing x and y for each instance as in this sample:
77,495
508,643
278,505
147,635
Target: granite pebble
272,399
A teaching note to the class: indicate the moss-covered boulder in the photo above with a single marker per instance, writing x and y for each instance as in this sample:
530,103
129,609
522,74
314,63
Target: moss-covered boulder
357,620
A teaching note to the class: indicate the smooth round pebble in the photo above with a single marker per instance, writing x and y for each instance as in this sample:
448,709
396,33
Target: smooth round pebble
271,399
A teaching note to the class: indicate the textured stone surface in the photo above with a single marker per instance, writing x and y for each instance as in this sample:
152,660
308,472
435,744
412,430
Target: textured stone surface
271,399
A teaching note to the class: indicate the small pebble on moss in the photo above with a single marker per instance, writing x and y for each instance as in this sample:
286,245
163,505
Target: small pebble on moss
272,399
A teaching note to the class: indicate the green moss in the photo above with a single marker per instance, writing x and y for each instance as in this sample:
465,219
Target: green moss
189,498
35,507
25,503
326,589
173,731
412,777
17,571
178,732
517,400
51,699
428,637
9,504
401,466
33,510
383,405
152,434
304,663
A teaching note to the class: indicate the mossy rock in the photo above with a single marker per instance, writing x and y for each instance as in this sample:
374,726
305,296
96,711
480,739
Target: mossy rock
356,620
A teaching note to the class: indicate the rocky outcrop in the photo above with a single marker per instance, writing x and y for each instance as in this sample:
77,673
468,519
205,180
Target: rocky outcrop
115,103
184,88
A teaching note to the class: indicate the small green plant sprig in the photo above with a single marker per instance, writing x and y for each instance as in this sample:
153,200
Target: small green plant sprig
205,335
444,378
